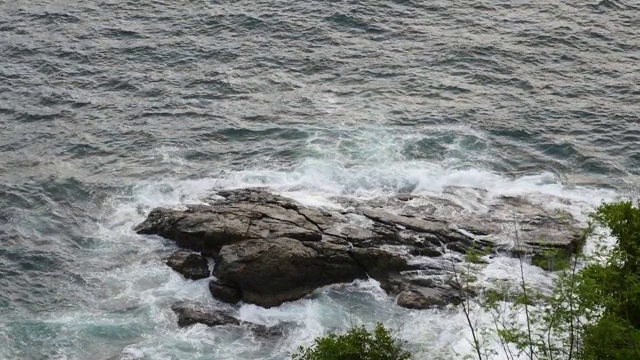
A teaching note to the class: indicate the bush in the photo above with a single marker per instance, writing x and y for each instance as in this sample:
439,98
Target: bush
612,288
592,312
356,344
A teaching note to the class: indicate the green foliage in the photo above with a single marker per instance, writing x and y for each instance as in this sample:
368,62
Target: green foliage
474,255
593,310
611,289
591,313
356,344
552,260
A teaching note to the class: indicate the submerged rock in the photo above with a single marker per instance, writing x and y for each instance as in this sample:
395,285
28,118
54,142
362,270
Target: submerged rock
191,266
423,293
426,298
189,315
269,249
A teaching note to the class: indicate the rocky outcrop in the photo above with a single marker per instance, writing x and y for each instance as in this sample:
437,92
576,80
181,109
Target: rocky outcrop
256,215
191,266
269,249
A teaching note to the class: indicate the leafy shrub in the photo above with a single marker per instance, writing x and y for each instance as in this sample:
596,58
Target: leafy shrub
611,289
356,344
592,312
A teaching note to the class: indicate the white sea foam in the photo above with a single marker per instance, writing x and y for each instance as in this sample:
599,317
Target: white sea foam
146,283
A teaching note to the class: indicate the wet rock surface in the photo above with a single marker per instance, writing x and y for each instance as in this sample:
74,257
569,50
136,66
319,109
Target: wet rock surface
269,272
269,249
191,266
191,314
225,292
416,299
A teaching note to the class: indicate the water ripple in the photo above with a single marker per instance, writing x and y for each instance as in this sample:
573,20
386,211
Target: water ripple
103,96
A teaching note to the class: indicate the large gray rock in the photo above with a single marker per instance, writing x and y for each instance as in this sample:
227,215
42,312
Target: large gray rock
208,228
270,249
271,271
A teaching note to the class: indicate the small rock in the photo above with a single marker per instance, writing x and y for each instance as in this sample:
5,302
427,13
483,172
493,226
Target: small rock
405,197
424,298
188,316
393,285
191,266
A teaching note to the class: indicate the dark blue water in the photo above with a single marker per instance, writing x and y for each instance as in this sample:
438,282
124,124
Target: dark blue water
110,108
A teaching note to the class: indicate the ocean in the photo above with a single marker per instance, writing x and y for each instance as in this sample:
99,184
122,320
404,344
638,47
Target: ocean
109,109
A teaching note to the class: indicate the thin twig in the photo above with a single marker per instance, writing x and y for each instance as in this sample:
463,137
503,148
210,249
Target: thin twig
503,344
524,291
465,308
571,308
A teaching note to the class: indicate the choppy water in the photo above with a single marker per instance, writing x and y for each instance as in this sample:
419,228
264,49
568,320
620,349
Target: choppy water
110,108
